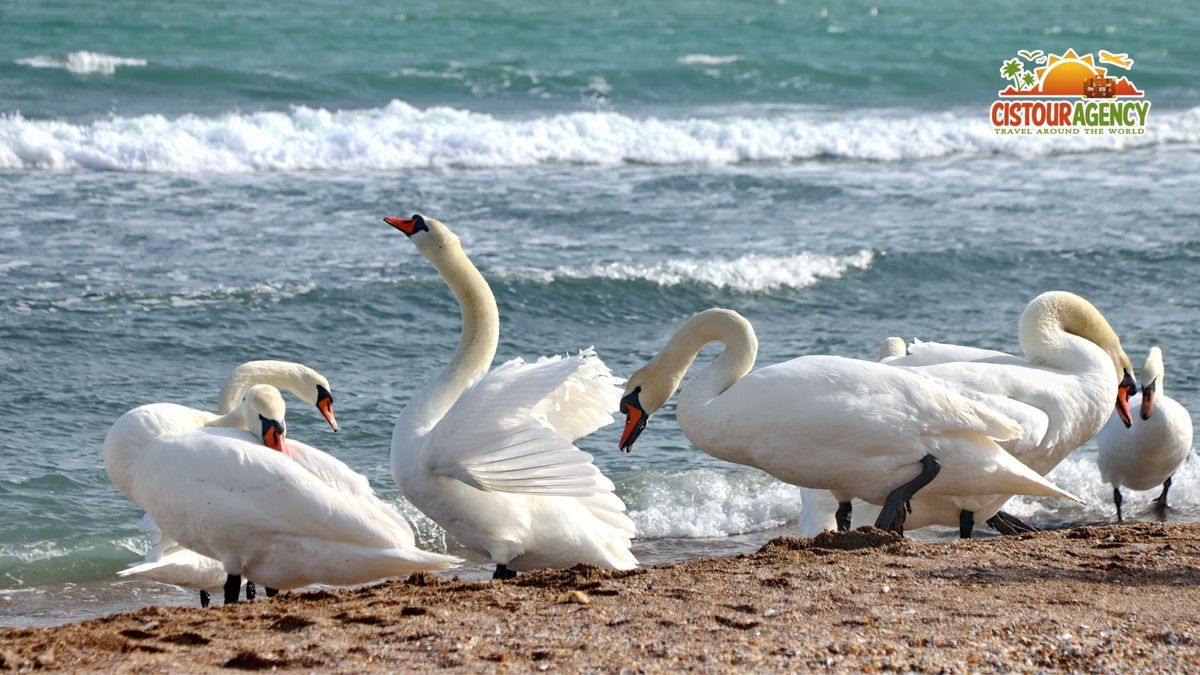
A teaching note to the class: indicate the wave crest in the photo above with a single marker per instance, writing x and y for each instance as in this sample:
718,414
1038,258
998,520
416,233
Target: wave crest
82,62
752,273
399,136
708,503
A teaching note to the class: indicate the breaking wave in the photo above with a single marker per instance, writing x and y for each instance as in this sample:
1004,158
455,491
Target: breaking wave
399,136
82,62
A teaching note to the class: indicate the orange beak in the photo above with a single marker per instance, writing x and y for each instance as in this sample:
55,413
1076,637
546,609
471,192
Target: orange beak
1148,394
325,405
408,226
1124,390
635,420
273,437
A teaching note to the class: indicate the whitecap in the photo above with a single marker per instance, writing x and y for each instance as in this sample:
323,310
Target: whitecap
82,62
753,273
399,136
708,59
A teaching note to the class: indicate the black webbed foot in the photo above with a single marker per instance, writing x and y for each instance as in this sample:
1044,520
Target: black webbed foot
1007,523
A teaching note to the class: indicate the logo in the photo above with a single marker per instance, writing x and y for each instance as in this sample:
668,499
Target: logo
1069,94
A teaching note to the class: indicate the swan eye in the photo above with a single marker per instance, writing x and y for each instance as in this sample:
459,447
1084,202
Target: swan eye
633,399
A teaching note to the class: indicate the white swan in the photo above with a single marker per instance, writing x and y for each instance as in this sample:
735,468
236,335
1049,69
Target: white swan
167,562
1149,452
1061,394
286,515
142,424
490,457
856,428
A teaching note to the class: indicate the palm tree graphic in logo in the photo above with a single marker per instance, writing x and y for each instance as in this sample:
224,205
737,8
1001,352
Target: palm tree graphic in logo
1013,69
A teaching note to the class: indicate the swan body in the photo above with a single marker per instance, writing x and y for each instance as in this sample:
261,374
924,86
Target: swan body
490,455
133,431
855,428
1060,394
1146,454
263,514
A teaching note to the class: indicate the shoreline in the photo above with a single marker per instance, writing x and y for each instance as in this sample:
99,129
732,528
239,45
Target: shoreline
1086,598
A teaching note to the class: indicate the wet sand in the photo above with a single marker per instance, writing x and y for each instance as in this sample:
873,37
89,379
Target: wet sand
1090,598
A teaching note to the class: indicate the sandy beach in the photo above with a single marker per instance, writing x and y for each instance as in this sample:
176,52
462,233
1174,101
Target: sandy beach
1103,598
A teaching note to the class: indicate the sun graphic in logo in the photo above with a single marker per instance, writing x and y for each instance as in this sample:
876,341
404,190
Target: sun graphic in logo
1064,75
1068,74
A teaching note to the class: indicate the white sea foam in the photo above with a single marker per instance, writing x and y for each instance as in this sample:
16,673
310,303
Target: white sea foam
82,63
400,136
707,59
751,273
708,503
1079,475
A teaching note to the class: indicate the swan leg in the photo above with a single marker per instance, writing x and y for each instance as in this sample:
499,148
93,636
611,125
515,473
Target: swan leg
503,573
272,592
1160,502
233,586
843,516
205,598
1007,523
966,524
1117,500
897,506
251,590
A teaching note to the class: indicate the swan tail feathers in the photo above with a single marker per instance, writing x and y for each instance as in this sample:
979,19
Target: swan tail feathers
986,469
427,560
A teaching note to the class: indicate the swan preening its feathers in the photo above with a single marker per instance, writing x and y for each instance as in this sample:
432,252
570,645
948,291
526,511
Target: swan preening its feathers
1148,452
285,517
490,455
856,428
221,502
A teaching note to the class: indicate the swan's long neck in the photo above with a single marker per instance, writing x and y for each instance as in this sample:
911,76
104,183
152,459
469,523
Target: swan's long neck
1061,330
476,346
230,420
714,325
279,374
1152,371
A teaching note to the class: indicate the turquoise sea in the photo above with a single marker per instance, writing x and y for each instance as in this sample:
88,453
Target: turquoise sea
187,186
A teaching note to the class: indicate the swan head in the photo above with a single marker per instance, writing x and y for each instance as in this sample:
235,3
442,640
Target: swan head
1152,376
263,411
427,234
1055,312
890,347
307,384
314,389
646,391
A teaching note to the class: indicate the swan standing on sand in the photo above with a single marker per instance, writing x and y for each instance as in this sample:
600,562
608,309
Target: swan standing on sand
856,428
166,562
1148,453
490,457
1061,394
286,514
